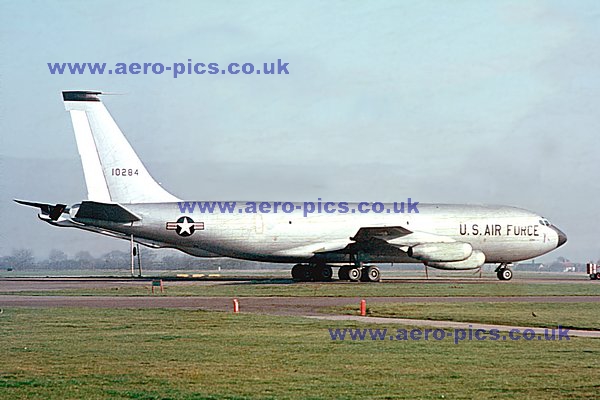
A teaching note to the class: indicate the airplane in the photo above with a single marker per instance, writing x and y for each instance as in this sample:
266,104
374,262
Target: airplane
124,201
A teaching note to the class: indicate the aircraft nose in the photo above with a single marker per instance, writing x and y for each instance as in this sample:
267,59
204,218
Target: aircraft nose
562,238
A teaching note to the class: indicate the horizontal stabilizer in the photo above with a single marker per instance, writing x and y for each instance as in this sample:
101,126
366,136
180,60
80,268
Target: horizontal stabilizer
81,95
54,211
105,212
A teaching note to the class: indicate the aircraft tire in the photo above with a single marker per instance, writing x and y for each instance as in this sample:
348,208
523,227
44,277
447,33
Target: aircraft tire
364,276
323,273
308,273
354,274
373,274
505,274
297,272
343,273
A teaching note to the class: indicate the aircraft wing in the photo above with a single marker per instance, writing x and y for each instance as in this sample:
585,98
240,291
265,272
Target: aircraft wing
366,239
384,233
382,240
438,251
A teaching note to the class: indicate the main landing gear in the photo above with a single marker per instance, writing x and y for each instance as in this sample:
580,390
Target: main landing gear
367,273
312,272
324,273
503,272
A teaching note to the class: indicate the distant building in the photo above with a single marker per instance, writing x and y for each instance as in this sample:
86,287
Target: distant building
560,265
531,266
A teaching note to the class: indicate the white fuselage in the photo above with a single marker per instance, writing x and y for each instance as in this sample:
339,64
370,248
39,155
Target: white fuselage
503,234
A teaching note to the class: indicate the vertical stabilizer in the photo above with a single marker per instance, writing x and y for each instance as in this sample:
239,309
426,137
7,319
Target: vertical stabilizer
113,171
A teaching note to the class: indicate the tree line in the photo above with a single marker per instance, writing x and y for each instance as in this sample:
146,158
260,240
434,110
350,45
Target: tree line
23,259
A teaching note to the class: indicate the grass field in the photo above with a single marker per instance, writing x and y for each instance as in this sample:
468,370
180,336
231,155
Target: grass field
279,288
179,354
547,315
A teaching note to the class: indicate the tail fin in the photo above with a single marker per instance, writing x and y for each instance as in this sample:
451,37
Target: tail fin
113,172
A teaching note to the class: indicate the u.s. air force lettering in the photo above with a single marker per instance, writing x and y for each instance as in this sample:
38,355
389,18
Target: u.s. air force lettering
185,226
498,230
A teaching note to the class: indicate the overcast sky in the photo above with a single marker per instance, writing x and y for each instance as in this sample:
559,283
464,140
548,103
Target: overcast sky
463,102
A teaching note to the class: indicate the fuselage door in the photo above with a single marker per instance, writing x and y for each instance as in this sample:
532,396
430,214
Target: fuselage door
258,223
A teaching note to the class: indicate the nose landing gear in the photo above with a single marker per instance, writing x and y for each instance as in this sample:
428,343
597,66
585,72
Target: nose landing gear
504,273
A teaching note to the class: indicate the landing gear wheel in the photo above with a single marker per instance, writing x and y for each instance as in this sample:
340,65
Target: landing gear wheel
354,274
323,273
364,277
297,272
505,274
343,273
373,274
302,273
307,274
597,275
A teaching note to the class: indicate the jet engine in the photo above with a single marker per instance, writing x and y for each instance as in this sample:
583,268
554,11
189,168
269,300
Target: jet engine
476,260
441,252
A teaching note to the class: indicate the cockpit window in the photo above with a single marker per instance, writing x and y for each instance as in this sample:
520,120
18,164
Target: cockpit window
545,222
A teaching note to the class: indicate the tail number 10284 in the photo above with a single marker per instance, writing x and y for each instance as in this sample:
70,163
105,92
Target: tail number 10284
124,172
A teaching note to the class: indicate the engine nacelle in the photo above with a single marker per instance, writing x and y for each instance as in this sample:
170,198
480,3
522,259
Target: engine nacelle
441,252
476,260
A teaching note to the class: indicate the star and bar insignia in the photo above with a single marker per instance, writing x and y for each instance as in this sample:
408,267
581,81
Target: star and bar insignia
185,226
